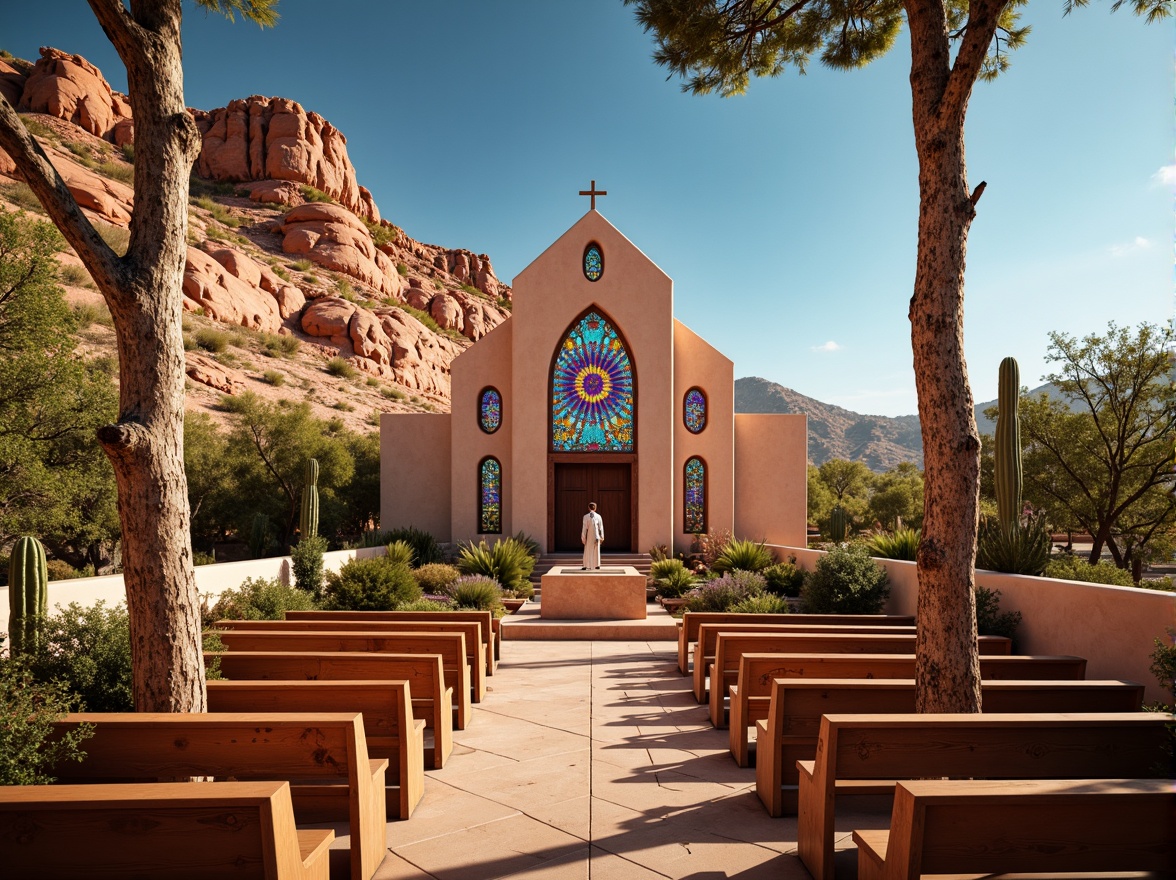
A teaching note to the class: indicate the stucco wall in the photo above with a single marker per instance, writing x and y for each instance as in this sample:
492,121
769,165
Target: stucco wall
486,364
638,297
698,363
771,478
414,472
1114,628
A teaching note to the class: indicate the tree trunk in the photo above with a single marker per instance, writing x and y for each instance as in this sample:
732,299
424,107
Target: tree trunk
947,669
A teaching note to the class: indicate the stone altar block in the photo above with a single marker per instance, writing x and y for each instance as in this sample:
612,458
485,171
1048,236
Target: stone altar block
615,592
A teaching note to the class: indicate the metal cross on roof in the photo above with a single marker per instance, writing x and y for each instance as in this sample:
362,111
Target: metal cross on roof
594,192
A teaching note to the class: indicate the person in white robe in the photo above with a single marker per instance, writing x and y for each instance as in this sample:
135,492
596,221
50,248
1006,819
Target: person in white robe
592,536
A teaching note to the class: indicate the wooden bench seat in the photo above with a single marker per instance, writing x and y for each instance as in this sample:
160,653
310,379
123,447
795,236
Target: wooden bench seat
432,700
867,754
328,748
390,730
490,624
471,629
688,625
751,693
789,733
1055,826
173,830
451,647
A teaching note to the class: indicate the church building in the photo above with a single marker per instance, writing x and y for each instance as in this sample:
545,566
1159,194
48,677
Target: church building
594,392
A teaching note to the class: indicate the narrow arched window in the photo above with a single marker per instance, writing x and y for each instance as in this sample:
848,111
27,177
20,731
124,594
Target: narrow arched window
694,497
490,496
694,410
593,262
489,410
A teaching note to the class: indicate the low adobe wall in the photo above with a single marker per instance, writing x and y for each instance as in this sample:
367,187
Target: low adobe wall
211,580
1114,628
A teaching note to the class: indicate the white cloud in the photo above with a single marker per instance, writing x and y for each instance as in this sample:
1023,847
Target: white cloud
1139,243
1166,176
828,346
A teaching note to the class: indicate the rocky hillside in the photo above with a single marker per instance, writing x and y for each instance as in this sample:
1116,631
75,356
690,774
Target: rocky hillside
295,286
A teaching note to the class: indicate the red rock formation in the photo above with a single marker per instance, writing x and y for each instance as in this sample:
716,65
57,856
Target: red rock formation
335,239
12,81
71,88
208,372
275,139
226,298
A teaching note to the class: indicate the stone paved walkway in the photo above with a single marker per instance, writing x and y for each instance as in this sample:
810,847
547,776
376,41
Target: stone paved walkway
590,760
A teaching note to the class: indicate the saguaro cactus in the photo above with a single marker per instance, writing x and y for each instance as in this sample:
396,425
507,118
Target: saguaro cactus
1007,450
28,593
309,521
259,538
837,524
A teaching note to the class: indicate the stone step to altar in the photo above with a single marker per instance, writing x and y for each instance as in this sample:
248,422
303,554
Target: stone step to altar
546,561
527,624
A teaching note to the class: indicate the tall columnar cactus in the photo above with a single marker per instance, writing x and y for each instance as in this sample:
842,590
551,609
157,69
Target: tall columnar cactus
259,537
308,522
1007,450
28,594
837,524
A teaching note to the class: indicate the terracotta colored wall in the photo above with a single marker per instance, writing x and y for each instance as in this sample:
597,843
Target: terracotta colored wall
487,363
414,472
771,478
1114,628
634,293
697,362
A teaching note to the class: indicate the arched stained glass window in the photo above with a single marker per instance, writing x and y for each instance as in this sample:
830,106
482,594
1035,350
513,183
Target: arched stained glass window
694,410
490,497
592,390
695,497
490,410
593,262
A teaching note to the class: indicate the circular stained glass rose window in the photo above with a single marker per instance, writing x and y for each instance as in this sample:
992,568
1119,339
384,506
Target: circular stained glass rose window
490,410
593,262
694,410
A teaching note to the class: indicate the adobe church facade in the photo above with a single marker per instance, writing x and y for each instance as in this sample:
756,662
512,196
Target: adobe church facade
592,391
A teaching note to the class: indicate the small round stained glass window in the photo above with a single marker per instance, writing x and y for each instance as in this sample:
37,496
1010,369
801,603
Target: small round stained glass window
490,410
593,262
694,410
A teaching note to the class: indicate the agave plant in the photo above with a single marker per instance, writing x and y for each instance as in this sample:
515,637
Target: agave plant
743,555
400,553
901,544
508,562
1022,548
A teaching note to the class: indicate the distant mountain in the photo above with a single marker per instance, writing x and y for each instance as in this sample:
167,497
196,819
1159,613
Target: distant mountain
880,442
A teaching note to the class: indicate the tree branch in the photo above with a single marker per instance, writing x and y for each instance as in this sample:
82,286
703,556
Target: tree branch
126,35
983,17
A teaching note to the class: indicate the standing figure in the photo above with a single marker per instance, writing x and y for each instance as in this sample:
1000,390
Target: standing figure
592,536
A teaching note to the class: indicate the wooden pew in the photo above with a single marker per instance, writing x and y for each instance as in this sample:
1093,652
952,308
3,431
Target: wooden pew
1054,826
866,754
688,625
752,690
177,830
471,629
789,733
451,647
490,623
330,748
390,729
432,700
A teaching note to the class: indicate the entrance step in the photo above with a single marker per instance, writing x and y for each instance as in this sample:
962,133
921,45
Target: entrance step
526,623
546,561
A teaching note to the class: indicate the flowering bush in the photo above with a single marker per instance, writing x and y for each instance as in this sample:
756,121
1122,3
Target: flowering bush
722,593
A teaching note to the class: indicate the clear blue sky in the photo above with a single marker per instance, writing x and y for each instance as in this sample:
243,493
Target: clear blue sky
785,217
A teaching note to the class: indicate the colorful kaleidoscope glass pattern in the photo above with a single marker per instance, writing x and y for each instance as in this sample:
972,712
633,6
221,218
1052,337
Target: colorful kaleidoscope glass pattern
593,263
592,390
695,497
490,410
694,411
490,494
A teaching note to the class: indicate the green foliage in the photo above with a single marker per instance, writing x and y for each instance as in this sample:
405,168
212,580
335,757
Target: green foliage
725,592
1007,450
279,346
658,552
306,562
900,544
990,620
838,524
263,13
400,553
273,377
308,520
29,748
128,152
673,581
28,594
402,269
765,603
259,536
37,128
527,543
425,318
744,555
384,235
212,340
1163,665
436,577
896,497
424,545
219,212
314,195
21,195
784,578
338,366
89,650
713,543
1022,549
117,171
259,599
75,276
661,568
508,561
60,570
477,592
370,585
1074,568
845,581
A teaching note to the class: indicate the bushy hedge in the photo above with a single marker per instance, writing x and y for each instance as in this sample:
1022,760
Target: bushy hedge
477,592
370,585
784,579
509,562
845,581
436,577
89,650
990,620
29,750
1075,568
258,599
725,592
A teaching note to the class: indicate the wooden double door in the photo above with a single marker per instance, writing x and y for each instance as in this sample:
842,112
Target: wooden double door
610,485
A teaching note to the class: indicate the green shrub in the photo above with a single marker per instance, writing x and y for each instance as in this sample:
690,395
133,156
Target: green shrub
424,545
303,265
342,406
60,570
75,276
382,235
661,568
675,583
436,577
762,604
527,543
1163,585
845,581
1021,549
279,346
509,562
89,650
219,212
199,558
314,195
477,592
128,152
742,555
370,585
658,552
424,317
713,543
784,579
117,171
37,128
306,562
259,599
1074,568
117,237
81,152
21,195
211,340
273,377
29,748
725,592
429,603
901,544
1163,665
393,393
401,269
400,553
337,366
990,620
